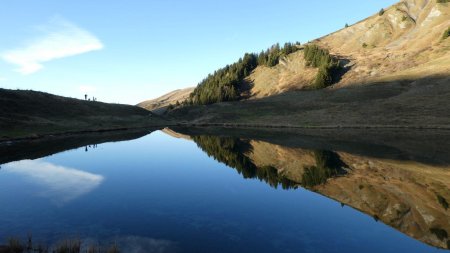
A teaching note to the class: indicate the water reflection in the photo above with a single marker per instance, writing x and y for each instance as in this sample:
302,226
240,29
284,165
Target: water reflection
33,149
409,196
137,244
396,183
57,183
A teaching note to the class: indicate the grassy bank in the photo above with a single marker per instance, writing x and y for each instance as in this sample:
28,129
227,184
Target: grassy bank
31,114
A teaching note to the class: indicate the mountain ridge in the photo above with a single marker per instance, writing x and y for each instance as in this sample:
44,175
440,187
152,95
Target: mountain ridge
404,41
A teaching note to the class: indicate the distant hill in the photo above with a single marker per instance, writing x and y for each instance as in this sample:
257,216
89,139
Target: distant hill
159,105
27,113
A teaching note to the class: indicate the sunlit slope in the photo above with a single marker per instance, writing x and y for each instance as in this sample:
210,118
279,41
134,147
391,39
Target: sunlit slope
404,42
159,105
395,72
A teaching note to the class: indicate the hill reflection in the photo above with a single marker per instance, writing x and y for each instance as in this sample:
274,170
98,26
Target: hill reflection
410,196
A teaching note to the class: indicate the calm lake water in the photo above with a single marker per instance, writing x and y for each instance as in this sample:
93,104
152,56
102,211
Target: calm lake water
159,193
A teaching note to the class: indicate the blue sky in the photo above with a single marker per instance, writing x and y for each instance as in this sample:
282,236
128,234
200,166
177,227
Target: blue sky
129,51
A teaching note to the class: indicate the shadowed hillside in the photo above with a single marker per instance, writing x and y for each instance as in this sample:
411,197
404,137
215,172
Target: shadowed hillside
30,113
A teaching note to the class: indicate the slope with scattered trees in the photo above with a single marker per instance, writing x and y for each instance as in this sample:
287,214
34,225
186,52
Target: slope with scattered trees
228,84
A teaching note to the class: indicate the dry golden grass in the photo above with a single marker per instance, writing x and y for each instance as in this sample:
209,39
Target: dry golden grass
159,105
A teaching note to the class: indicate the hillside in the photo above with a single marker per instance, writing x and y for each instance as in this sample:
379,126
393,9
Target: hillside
405,42
159,105
31,114
394,72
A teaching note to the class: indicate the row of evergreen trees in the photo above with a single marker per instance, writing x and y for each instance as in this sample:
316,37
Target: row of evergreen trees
225,84
328,66
271,57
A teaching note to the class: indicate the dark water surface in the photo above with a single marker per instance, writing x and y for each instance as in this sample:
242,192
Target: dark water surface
159,193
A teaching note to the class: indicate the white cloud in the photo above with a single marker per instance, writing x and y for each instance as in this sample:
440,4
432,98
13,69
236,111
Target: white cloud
60,184
61,39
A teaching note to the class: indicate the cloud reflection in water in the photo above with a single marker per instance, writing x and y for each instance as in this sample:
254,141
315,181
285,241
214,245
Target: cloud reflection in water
60,184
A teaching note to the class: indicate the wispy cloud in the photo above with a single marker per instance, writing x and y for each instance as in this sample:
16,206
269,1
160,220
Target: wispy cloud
60,39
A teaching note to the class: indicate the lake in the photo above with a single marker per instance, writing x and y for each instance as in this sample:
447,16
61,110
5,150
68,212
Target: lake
192,190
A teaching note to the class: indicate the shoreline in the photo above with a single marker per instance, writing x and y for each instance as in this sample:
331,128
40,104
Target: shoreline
35,136
242,125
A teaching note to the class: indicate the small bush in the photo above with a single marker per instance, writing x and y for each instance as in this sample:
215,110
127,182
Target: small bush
381,12
446,34
442,1
364,45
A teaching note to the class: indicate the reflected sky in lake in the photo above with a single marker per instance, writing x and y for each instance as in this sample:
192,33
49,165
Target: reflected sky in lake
164,194
58,183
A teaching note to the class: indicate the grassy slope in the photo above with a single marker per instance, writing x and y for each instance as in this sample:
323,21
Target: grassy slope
403,103
30,113
402,78
405,42
159,105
